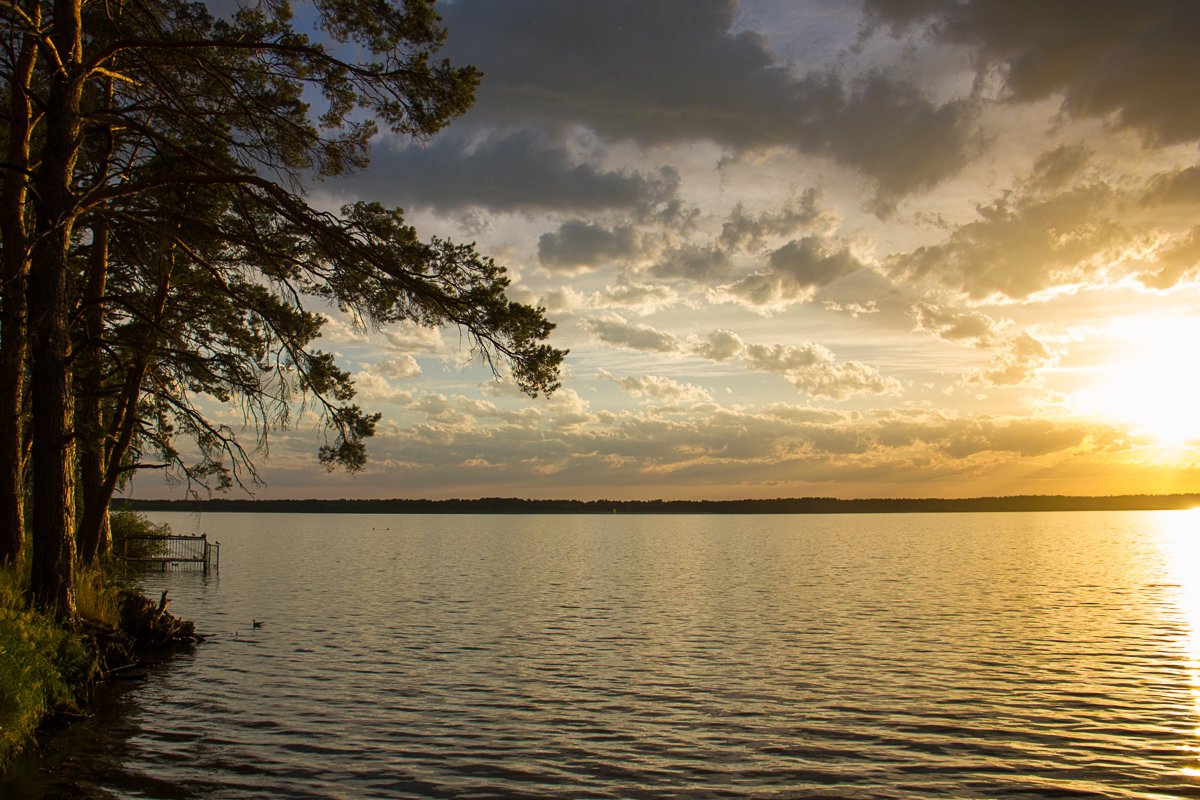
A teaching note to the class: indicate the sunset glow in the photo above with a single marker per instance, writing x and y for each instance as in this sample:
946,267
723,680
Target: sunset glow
1151,385
851,249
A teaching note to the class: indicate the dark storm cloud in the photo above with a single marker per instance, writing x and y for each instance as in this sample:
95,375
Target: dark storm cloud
673,70
1134,63
520,171
694,263
809,262
796,272
578,245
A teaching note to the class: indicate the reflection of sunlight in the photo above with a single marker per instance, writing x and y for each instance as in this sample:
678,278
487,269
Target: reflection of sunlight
1152,387
1181,534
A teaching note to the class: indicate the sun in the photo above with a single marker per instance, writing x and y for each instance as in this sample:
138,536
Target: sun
1153,383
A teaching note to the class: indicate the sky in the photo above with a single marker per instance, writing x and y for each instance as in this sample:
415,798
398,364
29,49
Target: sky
896,248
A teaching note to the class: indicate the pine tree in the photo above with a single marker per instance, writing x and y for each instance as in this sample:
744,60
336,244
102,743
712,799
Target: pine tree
174,252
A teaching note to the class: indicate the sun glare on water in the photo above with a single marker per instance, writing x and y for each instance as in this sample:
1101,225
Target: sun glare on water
1181,535
1153,385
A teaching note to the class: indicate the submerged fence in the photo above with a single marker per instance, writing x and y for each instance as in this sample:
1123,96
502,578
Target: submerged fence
172,551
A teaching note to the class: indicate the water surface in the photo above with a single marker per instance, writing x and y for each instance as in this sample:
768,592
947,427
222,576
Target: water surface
861,656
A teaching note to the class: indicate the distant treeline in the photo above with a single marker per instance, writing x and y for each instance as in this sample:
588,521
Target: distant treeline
796,505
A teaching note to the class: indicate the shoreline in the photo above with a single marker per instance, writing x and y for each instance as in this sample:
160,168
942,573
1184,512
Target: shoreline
145,633
799,505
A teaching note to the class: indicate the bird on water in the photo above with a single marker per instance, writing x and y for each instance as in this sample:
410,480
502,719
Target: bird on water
256,623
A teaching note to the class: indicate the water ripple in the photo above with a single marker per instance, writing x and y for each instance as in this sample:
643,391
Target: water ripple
984,656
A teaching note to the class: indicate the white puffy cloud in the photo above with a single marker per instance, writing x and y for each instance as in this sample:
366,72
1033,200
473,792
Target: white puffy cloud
403,366
408,337
971,327
342,329
658,387
853,309
720,345
615,330
642,298
561,299
375,388
815,370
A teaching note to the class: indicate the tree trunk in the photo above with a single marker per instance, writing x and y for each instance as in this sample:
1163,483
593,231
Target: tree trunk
13,264
92,534
123,422
53,463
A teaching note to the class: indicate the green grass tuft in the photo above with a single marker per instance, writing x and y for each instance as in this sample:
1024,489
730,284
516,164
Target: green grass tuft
43,668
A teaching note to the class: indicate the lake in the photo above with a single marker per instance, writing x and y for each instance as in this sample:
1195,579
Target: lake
1023,655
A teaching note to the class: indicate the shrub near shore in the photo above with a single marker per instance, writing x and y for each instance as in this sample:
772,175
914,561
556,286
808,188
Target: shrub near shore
45,668
48,668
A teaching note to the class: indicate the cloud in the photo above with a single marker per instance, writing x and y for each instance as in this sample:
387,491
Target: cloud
442,409
853,309
677,71
695,263
641,297
1177,262
566,410
1024,245
1019,364
375,389
749,233
560,299
341,329
796,271
404,366
814,370
720,345
578,246
515,171
1055,168
971,327
962,437
1132,64
1178,187
410,337
613,329
658,387
734,448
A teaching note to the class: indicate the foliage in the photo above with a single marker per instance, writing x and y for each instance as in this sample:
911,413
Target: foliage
98,592
45,665
128,531
42,667
159,250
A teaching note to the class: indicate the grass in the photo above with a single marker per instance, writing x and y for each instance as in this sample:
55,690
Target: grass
46,668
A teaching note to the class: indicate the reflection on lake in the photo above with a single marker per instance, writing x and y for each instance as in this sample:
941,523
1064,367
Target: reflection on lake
1181,538
889,656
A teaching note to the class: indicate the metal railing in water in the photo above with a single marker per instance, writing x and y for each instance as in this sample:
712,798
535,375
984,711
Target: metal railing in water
172,551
